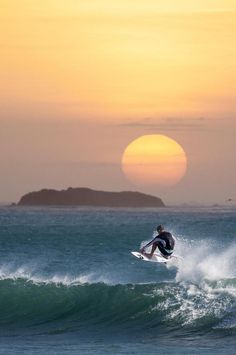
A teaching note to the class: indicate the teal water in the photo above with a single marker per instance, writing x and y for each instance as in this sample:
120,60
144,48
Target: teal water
69,285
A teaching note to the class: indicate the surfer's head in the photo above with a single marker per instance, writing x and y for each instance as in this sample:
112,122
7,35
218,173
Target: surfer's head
160,228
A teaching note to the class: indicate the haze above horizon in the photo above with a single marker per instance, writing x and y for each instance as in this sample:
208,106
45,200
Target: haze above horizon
81,80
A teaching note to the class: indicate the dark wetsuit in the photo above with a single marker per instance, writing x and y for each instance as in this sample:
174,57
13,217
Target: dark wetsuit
165,243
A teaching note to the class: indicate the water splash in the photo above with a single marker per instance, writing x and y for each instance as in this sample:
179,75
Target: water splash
204,261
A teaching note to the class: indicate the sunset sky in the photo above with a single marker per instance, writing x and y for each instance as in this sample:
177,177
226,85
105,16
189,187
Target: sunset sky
82,79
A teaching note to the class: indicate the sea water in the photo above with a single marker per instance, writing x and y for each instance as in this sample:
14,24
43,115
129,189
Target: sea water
69,285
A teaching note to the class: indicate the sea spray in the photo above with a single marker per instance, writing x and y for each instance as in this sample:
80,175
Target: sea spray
205,261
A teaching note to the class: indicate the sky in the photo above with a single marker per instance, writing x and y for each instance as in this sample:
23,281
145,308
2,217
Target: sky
80,80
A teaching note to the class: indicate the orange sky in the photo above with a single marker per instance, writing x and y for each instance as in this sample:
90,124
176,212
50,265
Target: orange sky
81,79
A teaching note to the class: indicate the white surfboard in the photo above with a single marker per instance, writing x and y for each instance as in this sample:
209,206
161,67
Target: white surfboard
156,258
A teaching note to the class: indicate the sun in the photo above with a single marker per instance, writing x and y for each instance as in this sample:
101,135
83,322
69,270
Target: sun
154,160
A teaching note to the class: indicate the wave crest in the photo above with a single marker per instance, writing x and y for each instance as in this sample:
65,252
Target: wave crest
205,261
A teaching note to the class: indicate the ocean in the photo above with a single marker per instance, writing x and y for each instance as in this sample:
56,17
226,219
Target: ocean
69,284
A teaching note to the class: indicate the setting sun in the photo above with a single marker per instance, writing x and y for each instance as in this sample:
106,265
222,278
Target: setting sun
154,160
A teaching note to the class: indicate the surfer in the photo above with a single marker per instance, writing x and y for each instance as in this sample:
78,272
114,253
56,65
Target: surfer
164,241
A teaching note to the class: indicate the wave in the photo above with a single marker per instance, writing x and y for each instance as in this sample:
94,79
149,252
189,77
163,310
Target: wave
36,302
200,296
205,260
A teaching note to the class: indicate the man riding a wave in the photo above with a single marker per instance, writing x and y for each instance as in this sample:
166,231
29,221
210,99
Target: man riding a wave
164,241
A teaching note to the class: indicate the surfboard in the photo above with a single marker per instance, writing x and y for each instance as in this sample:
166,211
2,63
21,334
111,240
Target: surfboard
156,258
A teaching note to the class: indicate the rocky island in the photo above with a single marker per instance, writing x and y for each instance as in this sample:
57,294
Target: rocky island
89,197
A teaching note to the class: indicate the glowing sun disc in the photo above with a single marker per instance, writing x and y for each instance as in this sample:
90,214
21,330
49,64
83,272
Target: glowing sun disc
154,160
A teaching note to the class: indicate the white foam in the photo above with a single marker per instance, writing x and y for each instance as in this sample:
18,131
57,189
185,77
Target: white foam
206,277
188,303
24,272
202,261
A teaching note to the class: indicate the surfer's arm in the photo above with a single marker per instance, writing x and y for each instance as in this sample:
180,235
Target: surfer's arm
147,245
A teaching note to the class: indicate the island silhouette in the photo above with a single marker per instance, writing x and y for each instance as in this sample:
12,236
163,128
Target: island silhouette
84,196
